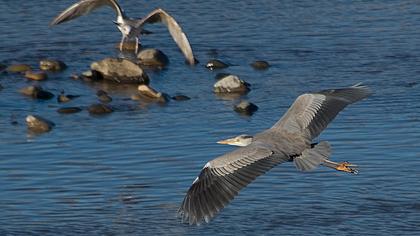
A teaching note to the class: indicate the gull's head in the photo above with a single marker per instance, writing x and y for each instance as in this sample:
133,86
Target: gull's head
240,140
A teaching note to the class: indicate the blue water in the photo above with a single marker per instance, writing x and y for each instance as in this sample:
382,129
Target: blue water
126,173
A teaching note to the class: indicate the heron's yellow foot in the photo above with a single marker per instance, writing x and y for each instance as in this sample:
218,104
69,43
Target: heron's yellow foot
347,167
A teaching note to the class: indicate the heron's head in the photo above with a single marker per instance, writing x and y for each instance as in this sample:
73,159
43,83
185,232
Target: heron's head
240,140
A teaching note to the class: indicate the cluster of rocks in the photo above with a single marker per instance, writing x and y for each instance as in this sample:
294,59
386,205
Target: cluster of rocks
231,86
128,72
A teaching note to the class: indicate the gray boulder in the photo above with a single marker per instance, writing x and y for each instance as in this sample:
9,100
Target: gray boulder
120,71
231,84
152,58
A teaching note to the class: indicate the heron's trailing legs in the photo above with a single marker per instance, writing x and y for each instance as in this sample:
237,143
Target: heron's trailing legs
342,166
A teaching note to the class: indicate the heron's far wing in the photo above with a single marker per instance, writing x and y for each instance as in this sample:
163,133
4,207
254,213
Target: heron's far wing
159,15
221,180
312,112
84,7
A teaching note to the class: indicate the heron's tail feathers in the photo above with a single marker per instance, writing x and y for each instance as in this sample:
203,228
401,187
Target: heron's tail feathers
313,157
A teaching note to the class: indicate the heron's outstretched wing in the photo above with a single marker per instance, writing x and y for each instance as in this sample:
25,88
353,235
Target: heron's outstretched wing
84,7
311,112
221,180
159,15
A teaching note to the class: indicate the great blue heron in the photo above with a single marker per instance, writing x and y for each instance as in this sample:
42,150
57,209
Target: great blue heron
129,27
290,138
244,140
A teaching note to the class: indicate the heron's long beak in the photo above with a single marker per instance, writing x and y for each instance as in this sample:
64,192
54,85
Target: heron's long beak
228,141
116,23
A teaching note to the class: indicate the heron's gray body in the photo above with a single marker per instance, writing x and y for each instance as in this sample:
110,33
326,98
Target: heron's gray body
290,138
130,28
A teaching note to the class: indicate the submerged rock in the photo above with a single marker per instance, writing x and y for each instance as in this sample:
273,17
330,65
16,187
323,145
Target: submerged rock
120,71
103,96
246,108
181,98
153,58
36,92
65,98
69,110
216,64
38,124
35,75
260,65
99,109
150,94
231,84
18,68
52,65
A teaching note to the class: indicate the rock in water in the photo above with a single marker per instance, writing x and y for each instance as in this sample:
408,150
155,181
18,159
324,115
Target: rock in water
36,92
99,109
120,71
149,93
246,108
69,110
181,98
18,68
65,97
216,64
52,65
32,75
260,65
103,96
38,124
153,58
231,84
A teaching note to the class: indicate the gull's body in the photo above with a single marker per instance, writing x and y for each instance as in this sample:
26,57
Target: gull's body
290,138
130,28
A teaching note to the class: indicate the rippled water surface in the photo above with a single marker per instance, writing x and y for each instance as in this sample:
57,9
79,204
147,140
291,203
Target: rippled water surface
126,173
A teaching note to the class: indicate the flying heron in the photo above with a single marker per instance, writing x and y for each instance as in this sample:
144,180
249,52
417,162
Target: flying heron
290,138
244,140
130,28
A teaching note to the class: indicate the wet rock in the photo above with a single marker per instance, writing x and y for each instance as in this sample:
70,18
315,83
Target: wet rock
99,109
149,93
35,75
260,65
216,64
69,110
103,96
38,124
152,58
120,71
246,108
52,65
36,92
220,76
18,68
181,98
231,84
65,97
